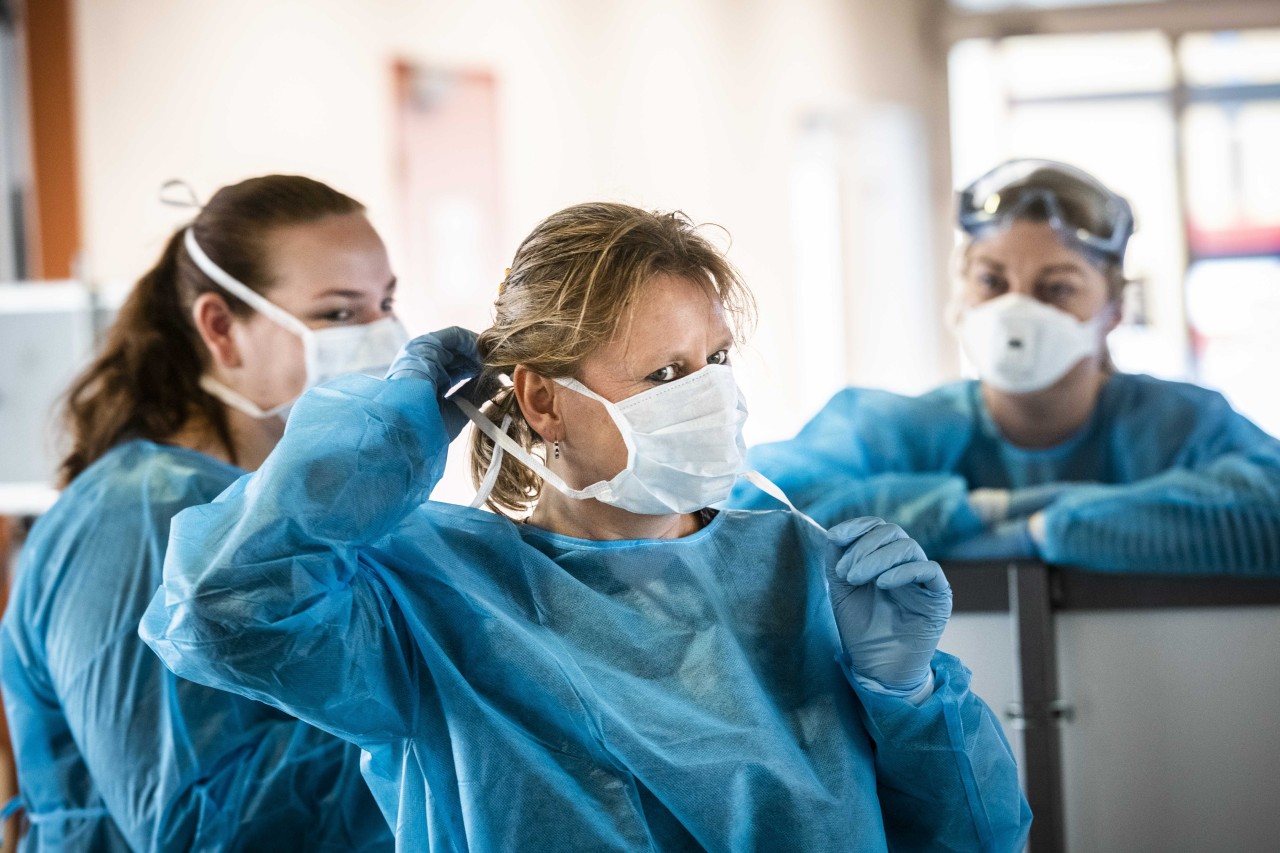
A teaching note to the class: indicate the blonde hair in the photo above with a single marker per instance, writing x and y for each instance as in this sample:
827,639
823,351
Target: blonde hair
571,286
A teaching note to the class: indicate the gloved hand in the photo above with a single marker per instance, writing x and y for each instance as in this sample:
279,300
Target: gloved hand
1008,540
891,603
444,359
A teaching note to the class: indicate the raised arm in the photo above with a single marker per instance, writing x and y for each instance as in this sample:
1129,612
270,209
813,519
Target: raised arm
264,591
227,769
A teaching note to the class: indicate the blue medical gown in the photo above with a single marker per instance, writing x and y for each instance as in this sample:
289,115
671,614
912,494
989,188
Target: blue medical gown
520,690
113,751
1165,476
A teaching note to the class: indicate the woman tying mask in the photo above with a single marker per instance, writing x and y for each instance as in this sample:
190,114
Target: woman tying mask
1051,452
279,283
625,667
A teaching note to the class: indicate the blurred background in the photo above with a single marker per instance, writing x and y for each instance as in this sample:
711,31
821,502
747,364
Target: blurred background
825,137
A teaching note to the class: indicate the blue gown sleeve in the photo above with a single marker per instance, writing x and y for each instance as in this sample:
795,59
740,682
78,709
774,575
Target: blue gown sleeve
112,748
178,768
264,592
945,774
872,453
1216,512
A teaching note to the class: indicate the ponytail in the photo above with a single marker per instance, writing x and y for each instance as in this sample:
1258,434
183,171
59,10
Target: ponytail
145,382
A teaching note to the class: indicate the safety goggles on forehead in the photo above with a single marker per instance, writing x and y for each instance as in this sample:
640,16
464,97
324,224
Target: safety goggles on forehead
1072,202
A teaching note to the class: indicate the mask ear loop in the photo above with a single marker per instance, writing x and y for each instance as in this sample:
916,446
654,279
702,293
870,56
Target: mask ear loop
770,488
495,467
252,298
510,445
238,401
239,289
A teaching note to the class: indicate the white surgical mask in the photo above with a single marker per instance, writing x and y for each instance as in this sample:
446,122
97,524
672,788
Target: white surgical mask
684,445
335,351
1019,344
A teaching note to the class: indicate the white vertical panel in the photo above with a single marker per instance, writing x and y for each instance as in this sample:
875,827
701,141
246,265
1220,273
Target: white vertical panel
1176,740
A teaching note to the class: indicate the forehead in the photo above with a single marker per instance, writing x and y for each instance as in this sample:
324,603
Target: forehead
1024,243
342,250
669,316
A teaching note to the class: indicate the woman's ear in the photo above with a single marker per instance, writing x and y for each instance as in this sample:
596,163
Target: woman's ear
536,395
213,321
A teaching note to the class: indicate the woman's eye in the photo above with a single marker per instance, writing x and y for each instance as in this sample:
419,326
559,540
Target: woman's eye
718,357
664,374
388,304
991,282
338,315
1057,291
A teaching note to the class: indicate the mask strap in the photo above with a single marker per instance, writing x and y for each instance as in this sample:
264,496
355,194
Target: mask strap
510,445
178,193
495,467
770,488
238,401
614,414
241,290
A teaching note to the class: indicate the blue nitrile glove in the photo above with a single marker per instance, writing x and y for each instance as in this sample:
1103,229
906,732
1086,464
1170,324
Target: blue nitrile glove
444,359
891,603
1009,540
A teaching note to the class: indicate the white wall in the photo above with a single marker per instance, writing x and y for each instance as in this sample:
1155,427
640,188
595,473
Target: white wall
691,104
1172,746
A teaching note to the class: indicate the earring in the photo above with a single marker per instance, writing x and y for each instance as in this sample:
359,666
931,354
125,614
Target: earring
556,446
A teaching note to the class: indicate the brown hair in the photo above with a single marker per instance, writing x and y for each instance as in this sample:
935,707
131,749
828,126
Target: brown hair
145,382
570,287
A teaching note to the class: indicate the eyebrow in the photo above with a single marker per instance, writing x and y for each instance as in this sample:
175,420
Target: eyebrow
353,294
1063,267
677,358
1066,266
